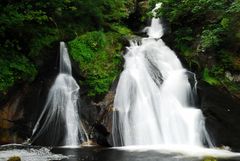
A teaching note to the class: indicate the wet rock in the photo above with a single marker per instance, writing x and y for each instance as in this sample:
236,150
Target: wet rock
100,135
106,109
103,126
14,158
209,159
232,77
9,113
23,103
221,111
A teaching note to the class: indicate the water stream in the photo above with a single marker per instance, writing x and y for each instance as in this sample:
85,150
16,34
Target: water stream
59,122
154,101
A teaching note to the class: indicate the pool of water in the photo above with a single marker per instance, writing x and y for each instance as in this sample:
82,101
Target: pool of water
131,153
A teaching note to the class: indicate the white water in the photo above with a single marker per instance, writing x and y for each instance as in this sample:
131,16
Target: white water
61,111
31,154
184,150
154,99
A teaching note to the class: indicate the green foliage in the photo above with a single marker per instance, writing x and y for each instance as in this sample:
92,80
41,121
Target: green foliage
183,37
235,7
116,9
205,29
121,29
208,78
43,40
210,38
231,86
226,59
13,69
97,54
225,22
229,61
216,76
29,27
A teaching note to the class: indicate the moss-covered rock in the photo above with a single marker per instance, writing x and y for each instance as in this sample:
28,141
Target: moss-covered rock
209,159
14,158
99,57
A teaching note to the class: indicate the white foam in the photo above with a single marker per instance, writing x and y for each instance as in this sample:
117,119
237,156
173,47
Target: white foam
188,151
42,154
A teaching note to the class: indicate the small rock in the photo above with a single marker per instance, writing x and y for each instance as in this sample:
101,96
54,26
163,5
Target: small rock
209,159
14,158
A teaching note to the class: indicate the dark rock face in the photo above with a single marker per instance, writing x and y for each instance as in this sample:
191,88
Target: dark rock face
102,128
8,113
25,102
222,113
21,112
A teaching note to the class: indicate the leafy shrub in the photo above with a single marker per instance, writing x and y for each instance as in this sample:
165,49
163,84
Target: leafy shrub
204,29
208,78
15,69
210,38
28,27
98,56
121,29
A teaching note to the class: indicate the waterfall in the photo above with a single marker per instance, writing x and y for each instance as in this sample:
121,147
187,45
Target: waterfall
154,101
59,121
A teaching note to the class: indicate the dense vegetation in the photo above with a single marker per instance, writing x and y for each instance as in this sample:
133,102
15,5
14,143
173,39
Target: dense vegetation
29,27
98,56
207,34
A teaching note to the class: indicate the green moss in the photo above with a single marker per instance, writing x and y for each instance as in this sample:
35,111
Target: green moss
14,158
98,56
232,86
225,23
121,29
208,78
216,76
15,69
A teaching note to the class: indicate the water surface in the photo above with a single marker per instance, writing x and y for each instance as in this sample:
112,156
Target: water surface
131,153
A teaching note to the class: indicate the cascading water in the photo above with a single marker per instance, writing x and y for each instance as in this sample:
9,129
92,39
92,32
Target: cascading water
59,122
154,99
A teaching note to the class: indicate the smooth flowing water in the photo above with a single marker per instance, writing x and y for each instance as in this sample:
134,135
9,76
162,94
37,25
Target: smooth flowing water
154,101
60,117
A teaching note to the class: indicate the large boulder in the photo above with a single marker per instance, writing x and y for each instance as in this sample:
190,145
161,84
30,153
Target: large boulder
25,101
102,128
222,114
